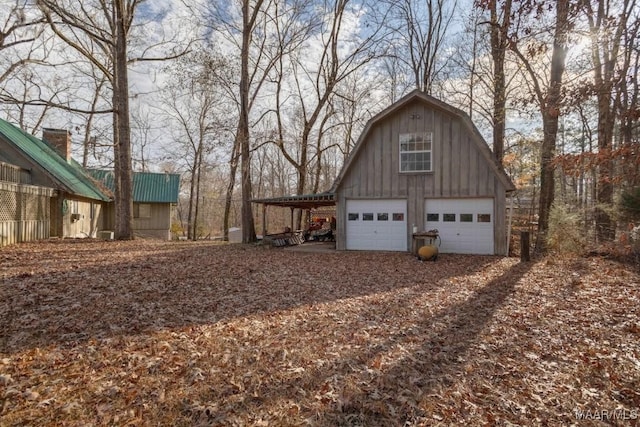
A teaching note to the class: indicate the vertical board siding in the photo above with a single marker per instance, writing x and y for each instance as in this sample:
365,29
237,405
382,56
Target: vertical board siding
377,165
456,150
386,169
465,183
460,169
12,232
158,225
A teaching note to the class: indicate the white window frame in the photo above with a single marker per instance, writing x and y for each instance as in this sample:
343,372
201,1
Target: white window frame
411,144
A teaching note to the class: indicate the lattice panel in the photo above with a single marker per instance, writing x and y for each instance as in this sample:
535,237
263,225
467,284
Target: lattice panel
9,206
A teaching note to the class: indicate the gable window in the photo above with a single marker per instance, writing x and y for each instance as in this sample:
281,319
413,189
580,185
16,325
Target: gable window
415,152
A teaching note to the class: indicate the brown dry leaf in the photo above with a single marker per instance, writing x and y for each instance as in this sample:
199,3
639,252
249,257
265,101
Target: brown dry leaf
183,333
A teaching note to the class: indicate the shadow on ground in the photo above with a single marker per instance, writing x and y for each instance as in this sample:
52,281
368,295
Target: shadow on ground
71,292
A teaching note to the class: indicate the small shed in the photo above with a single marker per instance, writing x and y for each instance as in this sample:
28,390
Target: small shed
154,197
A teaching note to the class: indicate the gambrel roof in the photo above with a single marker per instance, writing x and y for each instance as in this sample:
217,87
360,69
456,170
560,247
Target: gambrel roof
476,137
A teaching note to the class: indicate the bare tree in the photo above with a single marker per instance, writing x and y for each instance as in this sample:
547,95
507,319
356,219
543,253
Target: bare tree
19,27
252,36
316,82
548,97
194,104
608,22
105,25
499,24
420,29
99,30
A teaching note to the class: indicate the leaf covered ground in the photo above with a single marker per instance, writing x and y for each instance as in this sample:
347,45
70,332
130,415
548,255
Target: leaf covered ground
200,334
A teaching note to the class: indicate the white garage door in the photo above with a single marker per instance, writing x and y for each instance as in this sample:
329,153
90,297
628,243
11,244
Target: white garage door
377,225
465,225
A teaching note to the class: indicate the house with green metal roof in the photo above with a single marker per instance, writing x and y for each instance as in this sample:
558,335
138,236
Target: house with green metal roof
154,196
45,193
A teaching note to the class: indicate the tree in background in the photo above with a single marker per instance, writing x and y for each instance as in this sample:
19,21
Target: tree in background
547,92
105,24
419,36
341,53
100,32
499,23
19,27
608,21
197,112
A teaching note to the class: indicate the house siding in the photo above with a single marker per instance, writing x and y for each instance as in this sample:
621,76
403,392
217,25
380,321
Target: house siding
78,220
460,168
158,225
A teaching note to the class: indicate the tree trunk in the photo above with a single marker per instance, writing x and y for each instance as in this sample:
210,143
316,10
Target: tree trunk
498,50
197,190
550,115
605,226
123,196
192,198
233,169
605,52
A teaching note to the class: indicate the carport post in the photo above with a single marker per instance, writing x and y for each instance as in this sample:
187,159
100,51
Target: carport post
292,209
264,220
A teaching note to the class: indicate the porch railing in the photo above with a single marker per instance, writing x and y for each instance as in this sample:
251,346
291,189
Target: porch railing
16,174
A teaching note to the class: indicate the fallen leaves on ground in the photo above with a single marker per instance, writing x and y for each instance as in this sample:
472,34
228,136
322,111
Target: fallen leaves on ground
182,333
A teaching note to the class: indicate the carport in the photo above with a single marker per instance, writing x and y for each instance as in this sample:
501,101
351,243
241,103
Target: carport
303,202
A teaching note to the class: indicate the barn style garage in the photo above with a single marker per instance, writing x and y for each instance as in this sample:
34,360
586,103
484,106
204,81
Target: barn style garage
421,165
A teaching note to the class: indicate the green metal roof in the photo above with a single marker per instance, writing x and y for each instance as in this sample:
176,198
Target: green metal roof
70,175
148,187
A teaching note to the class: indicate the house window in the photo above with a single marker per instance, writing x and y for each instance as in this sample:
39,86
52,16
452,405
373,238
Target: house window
353,216
415,152
141,210
433,217
367,217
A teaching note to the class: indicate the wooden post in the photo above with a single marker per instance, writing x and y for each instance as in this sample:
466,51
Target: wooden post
292,209
264,220
524,246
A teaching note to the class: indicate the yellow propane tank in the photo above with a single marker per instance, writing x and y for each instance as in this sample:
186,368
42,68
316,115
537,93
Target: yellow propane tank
428,252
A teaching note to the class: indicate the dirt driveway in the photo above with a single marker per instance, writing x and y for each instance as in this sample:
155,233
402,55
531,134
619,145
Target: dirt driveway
152,333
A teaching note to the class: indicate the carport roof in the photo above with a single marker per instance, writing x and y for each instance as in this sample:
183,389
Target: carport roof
304,201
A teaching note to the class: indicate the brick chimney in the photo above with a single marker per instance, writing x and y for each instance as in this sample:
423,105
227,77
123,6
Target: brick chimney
60,139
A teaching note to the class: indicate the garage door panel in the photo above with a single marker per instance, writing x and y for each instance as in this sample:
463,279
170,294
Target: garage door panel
465,225
377,225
